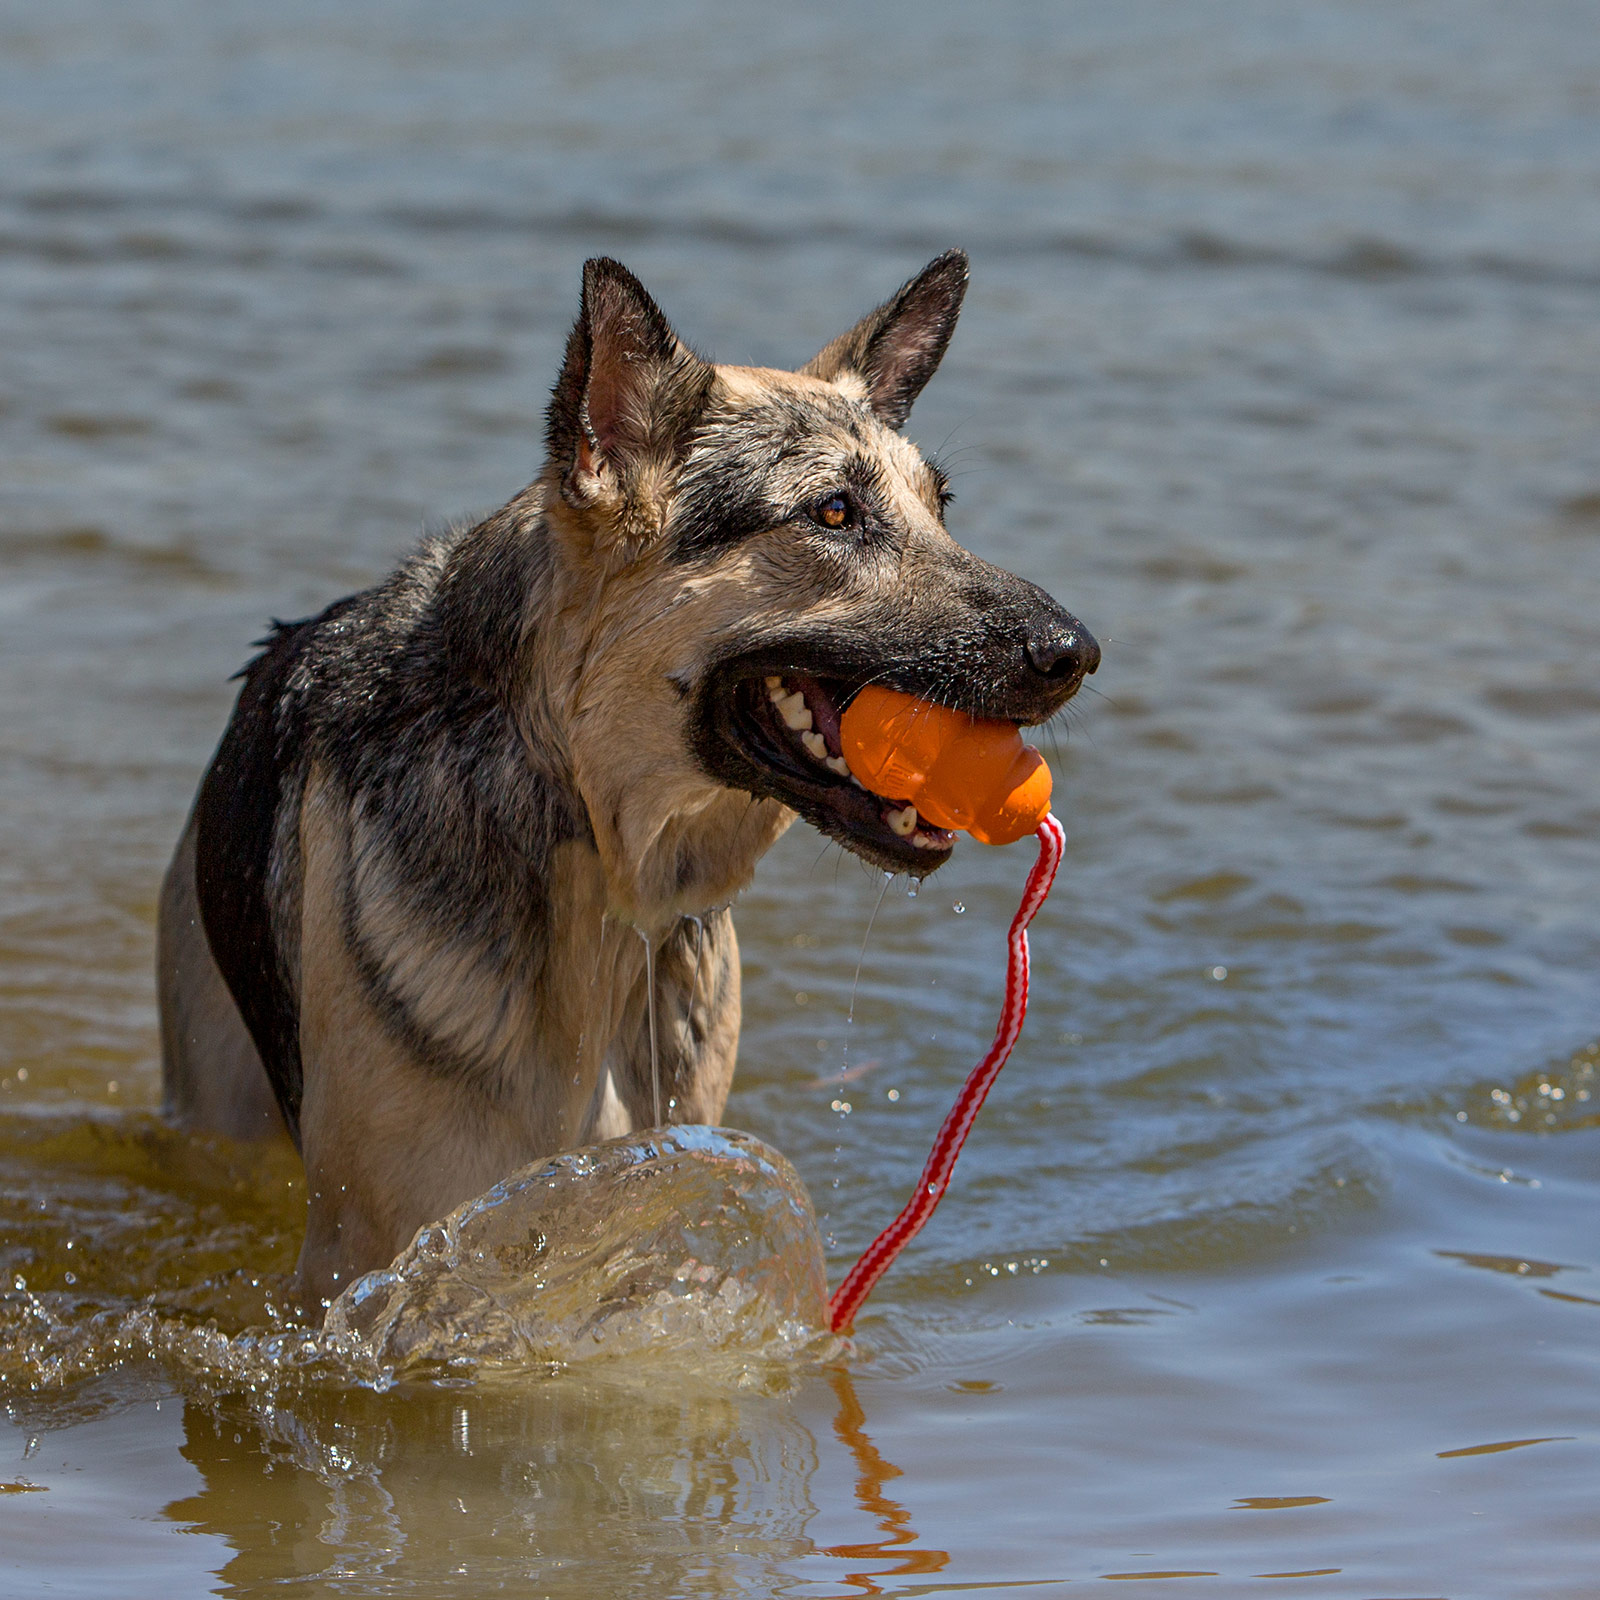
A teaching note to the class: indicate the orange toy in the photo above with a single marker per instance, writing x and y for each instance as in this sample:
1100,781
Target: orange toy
958,771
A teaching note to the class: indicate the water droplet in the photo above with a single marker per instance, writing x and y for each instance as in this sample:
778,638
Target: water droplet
911,890
1219,973
894,1094
958,908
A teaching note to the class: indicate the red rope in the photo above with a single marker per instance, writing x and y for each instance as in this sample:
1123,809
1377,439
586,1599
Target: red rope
879,1255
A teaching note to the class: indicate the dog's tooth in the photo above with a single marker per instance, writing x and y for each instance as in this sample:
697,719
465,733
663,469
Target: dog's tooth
776,692
796,713
837,764
816,745
904,823
923,842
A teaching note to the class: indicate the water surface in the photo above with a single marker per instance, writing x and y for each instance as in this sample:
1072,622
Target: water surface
1271,1268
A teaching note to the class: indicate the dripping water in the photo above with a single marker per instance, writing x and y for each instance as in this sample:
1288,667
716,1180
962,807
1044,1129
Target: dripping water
650,1014
844,1055
861,955
588,1011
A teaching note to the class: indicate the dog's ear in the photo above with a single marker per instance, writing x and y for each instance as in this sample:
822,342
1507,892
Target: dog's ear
895,349
630,390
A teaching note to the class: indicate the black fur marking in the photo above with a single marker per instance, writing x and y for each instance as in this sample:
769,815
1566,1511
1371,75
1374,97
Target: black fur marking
454,816
250,779
406,696
719,510
763,466
482,603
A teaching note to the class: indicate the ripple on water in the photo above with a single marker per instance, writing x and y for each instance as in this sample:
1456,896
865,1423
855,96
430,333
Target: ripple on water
1287,388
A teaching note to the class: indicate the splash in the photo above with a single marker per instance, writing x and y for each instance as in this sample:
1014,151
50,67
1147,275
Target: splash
684,1238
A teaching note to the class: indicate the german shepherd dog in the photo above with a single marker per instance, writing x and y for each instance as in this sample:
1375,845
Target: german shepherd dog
457,819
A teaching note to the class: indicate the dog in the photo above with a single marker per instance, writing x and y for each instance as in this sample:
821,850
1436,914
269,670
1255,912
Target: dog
454,892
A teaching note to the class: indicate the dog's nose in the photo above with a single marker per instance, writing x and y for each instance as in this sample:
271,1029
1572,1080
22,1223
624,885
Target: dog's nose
1062,649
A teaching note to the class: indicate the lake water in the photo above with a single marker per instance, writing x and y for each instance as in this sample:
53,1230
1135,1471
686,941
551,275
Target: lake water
1273,1266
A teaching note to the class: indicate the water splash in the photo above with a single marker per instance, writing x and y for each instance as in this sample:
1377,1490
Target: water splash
694,1239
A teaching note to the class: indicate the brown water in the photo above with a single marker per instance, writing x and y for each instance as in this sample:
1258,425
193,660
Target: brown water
1272,1268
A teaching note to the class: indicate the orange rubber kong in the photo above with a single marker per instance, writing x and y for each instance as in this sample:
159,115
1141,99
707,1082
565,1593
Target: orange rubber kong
958,771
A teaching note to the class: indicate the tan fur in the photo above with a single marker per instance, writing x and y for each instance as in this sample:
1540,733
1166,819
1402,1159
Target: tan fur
389,1144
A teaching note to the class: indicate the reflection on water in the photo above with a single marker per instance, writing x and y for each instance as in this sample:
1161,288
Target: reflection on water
894,1522
1279,367
532,1484
525,1486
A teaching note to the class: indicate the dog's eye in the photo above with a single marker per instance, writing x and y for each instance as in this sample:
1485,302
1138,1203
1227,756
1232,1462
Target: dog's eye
834,511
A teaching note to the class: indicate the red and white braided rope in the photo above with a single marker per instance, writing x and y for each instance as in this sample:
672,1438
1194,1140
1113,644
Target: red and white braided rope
877,1257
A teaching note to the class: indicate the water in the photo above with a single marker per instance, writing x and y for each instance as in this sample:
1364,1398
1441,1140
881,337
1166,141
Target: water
1280,368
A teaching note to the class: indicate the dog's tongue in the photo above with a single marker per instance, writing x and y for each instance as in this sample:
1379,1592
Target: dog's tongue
959,771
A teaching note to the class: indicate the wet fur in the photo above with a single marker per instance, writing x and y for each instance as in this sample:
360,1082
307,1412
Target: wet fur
449,814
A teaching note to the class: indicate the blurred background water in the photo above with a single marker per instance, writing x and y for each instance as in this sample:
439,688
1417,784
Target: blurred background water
1272,1266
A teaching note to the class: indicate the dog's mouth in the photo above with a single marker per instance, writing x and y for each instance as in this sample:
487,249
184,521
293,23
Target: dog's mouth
782,728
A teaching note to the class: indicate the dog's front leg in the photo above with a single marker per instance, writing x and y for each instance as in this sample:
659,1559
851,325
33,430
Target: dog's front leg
696,1027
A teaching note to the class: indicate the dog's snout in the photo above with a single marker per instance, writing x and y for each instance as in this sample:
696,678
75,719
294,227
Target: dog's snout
1062,650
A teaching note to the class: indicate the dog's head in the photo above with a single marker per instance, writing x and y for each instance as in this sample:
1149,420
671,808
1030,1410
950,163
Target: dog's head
739,551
